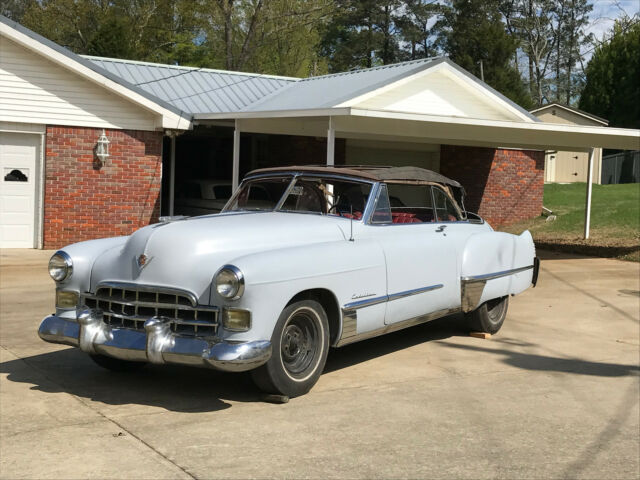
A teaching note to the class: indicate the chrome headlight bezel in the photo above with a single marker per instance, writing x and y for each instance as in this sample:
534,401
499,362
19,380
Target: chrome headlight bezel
62,268
229,282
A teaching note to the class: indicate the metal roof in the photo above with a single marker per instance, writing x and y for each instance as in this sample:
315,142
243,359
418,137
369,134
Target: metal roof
195,90
189,91
330,90
90,65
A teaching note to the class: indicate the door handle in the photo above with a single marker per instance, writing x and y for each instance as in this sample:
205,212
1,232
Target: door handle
441,228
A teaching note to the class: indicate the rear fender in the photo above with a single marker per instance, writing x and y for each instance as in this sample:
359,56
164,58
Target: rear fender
494,265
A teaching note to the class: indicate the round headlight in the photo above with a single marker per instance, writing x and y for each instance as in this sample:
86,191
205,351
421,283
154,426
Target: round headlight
230,282
60,266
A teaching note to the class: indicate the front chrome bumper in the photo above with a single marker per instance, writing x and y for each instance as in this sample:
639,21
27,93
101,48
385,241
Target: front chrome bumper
157,344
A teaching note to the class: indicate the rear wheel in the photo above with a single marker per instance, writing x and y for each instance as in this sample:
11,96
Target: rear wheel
300,344
489,316
115,364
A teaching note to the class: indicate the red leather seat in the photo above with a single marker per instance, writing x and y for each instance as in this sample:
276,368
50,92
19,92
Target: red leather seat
404,217
355,216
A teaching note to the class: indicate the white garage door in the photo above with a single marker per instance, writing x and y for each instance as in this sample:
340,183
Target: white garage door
18,175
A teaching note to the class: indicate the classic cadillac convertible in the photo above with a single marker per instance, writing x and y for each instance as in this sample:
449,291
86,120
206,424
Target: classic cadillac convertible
300,259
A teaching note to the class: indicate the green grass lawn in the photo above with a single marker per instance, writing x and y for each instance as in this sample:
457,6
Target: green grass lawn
615,220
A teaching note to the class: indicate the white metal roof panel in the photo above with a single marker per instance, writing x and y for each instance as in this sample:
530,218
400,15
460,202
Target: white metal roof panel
328,91
195,90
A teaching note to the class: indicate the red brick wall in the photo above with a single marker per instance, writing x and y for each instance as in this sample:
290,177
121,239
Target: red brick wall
83,201
503,186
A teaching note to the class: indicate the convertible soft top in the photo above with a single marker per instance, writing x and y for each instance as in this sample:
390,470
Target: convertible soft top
369,172
376,173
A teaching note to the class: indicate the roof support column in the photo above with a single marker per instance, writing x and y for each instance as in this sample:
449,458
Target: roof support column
172,173
331,144
587,210
235,175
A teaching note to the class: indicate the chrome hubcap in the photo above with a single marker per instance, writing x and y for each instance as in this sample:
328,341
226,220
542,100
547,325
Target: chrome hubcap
298,345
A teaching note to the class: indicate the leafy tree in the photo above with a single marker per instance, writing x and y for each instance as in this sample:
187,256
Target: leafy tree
612,87
153,30
475,33
275,36
15,9
533,24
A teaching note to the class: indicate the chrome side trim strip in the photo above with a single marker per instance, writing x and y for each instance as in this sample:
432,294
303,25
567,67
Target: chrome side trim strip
388,298
491,276
397,326
416,291
366,303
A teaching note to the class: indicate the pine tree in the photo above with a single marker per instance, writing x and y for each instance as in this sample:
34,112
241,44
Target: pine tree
612,87
476,33
572,18
362,34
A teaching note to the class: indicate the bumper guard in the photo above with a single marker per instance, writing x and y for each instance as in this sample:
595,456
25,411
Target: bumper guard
157,344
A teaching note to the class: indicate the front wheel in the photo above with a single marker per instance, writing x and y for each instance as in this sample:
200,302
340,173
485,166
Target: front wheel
300,344
489,316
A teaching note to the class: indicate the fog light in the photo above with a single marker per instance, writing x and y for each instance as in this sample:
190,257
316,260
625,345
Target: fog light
66,299
236,320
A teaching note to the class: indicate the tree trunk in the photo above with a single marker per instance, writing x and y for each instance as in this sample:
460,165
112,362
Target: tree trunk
227,10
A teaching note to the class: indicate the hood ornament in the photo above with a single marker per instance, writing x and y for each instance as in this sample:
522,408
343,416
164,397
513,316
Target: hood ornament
142,261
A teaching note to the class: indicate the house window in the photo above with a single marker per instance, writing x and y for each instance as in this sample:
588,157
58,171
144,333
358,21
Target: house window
16,174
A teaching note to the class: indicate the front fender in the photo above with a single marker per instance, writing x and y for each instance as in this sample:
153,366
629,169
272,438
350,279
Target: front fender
346,269
83,255
495,264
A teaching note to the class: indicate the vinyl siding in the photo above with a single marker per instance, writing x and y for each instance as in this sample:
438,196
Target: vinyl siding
438,93
564,117
36,90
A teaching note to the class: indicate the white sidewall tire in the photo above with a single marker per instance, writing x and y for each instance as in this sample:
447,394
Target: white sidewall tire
274,376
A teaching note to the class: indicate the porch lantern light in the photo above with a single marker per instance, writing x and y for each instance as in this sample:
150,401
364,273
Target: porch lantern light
102,147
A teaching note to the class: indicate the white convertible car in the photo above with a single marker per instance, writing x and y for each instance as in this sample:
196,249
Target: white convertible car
301,259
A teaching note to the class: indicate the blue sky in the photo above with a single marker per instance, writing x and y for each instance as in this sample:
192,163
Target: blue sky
606,11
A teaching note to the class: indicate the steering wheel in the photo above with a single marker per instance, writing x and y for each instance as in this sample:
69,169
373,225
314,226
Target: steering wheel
334,209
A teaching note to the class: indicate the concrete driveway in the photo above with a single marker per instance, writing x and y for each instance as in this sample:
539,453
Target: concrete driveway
553,395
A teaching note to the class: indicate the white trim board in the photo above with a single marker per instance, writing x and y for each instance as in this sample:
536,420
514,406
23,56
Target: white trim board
169,119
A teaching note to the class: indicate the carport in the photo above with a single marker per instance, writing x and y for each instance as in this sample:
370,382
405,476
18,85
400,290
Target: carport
386,105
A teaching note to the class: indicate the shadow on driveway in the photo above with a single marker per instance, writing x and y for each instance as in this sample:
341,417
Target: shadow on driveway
184,389
533,362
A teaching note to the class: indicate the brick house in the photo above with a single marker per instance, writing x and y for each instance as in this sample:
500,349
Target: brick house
168,125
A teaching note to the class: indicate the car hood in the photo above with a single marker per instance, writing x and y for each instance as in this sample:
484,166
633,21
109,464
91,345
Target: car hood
186,254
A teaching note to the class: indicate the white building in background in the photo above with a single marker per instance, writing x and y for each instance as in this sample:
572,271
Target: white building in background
562,166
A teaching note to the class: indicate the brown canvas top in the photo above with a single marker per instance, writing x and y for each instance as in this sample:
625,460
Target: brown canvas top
372,172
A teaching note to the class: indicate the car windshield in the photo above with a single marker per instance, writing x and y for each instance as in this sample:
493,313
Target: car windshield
304,194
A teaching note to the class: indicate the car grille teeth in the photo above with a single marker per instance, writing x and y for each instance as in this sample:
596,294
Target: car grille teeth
129,307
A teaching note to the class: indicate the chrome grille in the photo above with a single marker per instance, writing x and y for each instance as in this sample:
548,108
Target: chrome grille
129,306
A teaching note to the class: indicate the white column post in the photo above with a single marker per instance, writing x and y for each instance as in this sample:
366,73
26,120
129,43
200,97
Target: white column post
331,144
587,212
172,173
235,176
